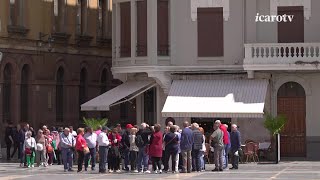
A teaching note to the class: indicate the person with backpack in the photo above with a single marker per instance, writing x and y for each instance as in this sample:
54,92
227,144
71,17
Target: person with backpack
133,149
216,141
143,143
155,149
171,150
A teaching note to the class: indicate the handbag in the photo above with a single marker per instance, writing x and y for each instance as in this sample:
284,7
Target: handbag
86,150
49,148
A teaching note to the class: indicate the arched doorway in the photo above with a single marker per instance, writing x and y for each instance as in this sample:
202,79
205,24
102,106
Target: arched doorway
6,95
24,94
292,104
83,92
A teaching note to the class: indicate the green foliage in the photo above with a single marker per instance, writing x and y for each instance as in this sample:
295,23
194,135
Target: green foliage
95,123
274,124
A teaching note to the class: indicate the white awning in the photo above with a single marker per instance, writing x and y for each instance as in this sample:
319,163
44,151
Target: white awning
216,98
126,91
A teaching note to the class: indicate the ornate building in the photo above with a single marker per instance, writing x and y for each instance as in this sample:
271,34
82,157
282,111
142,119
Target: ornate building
56,55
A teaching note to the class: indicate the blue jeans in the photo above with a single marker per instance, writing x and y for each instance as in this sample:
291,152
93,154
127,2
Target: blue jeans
226,155
202,160
92,154
126,154
67,157
103,154
143,159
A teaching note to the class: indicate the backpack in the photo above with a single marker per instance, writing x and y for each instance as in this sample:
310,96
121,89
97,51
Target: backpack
139,141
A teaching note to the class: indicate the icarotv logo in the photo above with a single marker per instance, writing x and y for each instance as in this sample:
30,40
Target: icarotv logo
274,18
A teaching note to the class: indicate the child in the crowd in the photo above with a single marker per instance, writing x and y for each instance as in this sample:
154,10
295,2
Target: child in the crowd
29,147
133,149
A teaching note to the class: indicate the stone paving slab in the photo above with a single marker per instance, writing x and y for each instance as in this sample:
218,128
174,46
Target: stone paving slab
285,170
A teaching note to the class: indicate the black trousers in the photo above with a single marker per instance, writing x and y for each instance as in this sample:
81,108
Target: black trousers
58,156
80,160
15,149
156,163
133,160
9,144
173,159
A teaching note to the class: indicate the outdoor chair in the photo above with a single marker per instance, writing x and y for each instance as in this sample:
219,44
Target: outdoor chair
249,152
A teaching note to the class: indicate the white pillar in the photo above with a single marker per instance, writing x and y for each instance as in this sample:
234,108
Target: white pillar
133,30
172,32
139,109
152,14
117,30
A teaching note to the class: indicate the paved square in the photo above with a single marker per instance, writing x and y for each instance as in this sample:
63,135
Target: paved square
285,170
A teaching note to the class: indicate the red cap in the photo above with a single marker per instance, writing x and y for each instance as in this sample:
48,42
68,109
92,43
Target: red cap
129,126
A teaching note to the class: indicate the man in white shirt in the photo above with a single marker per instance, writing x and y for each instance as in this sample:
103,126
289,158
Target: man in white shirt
103,143
91,139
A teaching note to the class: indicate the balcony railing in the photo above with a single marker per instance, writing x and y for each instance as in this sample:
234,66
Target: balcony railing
282,53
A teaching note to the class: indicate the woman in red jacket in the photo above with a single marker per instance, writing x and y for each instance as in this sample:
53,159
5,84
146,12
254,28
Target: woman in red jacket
155,149
80,145
114,154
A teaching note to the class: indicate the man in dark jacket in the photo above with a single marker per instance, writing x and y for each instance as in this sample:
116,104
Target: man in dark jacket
143,158
235,146
126,145
186,144
9,138
197,146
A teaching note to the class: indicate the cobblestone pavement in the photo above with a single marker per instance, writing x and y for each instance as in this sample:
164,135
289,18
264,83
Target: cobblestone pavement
285,170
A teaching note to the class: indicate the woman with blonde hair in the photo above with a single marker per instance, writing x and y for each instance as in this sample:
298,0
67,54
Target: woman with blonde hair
41,153
202,150
29,147
133,149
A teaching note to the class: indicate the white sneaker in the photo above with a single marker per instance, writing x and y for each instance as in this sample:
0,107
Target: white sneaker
135,171
32,166
160,171
110,171
147,171
155,172
118,171
21,165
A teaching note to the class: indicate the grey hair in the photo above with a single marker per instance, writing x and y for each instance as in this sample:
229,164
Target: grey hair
143,125
29,133
195,125
234,126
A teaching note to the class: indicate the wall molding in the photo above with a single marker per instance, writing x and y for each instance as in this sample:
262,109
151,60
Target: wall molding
305,3
195,4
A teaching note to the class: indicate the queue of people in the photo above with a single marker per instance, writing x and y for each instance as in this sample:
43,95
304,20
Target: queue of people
137,149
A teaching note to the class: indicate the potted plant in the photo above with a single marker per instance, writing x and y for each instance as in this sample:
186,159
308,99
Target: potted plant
274,124
95,123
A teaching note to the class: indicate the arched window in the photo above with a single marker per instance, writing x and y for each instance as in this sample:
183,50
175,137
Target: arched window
83,91
104,88
6,95
59,94
24,94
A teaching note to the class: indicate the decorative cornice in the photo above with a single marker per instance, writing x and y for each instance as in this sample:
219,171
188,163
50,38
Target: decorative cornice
195,4
305,3
163,79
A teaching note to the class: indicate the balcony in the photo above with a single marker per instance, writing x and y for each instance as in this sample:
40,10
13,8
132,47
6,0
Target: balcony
282,56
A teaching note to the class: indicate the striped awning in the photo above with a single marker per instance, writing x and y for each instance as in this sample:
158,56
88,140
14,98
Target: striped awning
216,98
117,95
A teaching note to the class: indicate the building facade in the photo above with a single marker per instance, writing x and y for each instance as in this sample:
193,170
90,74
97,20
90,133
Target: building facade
215,59
56,55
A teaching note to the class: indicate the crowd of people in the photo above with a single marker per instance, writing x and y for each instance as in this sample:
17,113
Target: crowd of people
175,149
